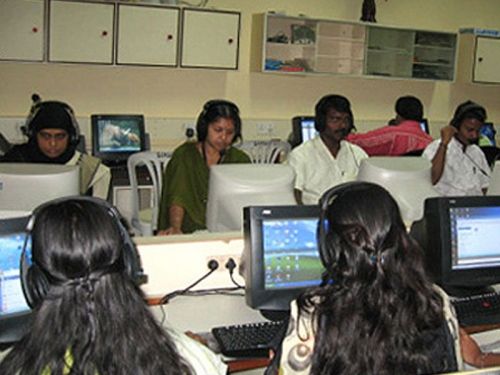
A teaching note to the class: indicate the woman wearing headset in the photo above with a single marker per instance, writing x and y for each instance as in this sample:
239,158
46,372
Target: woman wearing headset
53,136
89,314
376,312
185,181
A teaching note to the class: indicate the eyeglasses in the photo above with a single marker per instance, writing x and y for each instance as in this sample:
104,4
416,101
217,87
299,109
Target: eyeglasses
50,136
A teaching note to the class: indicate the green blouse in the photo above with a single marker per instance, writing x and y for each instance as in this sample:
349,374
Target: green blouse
185,183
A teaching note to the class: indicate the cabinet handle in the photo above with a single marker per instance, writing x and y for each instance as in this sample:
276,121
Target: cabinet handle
480,59
34,29
104,33
170,37
230,40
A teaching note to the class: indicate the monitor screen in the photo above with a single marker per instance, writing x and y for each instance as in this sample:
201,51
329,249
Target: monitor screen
460,237
487,135
281,254
14,311
23,187
116,137
235,186
303,129
424,125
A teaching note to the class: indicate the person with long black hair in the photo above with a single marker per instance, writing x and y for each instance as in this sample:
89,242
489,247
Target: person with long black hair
90,316
376,311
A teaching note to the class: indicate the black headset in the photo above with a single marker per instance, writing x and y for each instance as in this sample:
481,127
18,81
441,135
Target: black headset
37,106
208,109
324,104
468,109
323,225
36,282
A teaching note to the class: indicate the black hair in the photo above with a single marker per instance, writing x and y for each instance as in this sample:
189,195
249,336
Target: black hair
381,314
410,108
94,314
337,102
468,110
214,110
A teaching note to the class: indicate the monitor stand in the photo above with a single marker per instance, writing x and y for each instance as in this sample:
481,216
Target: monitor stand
275,315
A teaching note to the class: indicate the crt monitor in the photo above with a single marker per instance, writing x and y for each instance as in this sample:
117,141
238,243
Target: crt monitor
14,311
25,186
461,240
281,256
234,186
487,135
407,178
303,129
116,137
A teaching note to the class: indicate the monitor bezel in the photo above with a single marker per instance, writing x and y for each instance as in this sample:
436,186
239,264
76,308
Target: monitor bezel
257,296
13,326
438,249
114,157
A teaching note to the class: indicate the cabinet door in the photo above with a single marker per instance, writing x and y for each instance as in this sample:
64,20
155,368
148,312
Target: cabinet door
486,60
21,30
210,39
147,35
81,32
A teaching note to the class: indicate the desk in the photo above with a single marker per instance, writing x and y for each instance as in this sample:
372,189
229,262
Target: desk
200,313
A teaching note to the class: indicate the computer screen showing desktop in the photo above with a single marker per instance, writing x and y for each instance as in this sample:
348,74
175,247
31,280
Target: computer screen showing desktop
460,238
281,254
235,186
14,311
116,137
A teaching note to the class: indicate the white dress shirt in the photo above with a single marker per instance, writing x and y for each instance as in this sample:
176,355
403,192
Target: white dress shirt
317,170
465,173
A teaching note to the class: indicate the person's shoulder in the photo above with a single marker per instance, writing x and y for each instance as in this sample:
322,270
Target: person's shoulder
183,149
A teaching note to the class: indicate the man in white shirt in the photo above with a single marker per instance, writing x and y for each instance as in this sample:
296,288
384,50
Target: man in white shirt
459,167
326,160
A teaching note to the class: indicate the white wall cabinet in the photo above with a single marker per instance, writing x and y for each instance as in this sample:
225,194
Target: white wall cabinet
303,45
147,35
22,30
479,55
210,39
81,32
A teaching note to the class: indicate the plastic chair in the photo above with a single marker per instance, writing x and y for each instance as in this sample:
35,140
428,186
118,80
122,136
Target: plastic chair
144,222
266,152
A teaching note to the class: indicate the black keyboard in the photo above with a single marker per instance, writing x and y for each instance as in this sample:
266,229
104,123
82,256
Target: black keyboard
250,340
478,310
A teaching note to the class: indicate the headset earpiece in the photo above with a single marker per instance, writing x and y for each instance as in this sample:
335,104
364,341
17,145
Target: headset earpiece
35,281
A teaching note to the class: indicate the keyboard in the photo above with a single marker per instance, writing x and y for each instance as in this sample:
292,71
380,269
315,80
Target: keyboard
250,340
478,310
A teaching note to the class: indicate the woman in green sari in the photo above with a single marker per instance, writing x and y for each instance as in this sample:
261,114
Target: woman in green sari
185,181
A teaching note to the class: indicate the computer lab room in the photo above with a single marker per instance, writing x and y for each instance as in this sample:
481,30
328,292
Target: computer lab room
293,187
